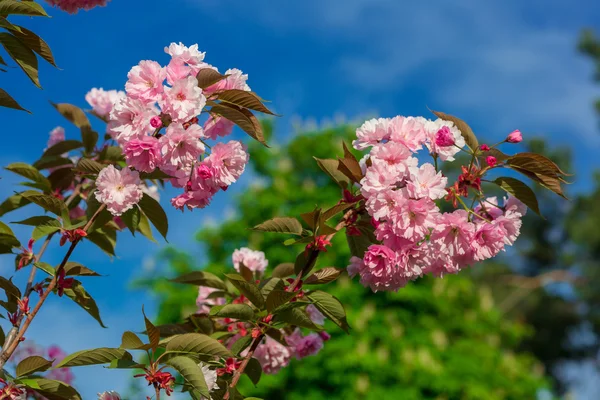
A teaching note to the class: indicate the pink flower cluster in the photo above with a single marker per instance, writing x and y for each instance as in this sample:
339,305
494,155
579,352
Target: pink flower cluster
72,6
120,190
102,101
137,119
415,238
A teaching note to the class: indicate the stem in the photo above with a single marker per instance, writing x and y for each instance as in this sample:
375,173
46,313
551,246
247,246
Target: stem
10,349
157,389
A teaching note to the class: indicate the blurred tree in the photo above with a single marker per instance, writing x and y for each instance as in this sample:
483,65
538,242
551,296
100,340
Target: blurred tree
589,45
436,338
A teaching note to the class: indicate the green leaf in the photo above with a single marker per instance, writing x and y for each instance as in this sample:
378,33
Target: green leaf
278,298
192,375
131,341
349,166
331,307
29,172
47,268
325,275
197,343
280,225
45,229
304,263
253,370
89,166
103,241
131,218
296,316
201,278
61,179
335,210
35,43
12,293
237,311
271,284
76,269
32,364
248,289
155,213
241,344
283,270
208,77
73,114
156,174
50,389
2,338
520,190
12,203
6,100
463,127
152,332
29,8
89,137
62,147
244,99
331,168
359,244
125,364
144,228
80,296
22,55
242,118
102,355
112,153
47,202
52,162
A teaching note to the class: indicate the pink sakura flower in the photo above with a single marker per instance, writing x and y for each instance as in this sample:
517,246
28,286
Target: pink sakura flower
184,100
491,161
112,395
409,131
383,204
514,137
228,161
381,176
198,194
379,269
203,301
373,131
57,135
72,6
393,153
191,56
254,260
119,190
145,81
426,182
489,209
454,234
181,147
304,346
102,101
315,315
143,154
511,223
130,118
217,126
177,70
413,218
235,79
489,241
272,356
439,129
511,203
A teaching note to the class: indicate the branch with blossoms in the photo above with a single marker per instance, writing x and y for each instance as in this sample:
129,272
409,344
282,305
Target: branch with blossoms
89,189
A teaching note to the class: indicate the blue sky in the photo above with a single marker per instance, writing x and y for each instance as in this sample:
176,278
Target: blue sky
498,65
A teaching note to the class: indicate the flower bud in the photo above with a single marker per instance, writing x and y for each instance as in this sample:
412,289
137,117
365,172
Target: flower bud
514,137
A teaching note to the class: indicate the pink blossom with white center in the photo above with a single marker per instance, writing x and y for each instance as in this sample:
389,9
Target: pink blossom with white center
184,100
177,70
386,234
119,190
204,303
393,153
217,126
143,154
511,203
228,161
383,204
145,81
315,315
379,269
254,260
413,218
489,240
102,101
382,176
181,147
370,133
304,346
272,356
189,55
445,153
454,234
511,223
72,6
409,131
130,118
57,135
112,395
235,79
426,182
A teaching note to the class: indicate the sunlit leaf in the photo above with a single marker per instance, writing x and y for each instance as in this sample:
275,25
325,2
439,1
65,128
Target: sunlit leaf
22,55
32,364
280,225
102,355
329,306
520,190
